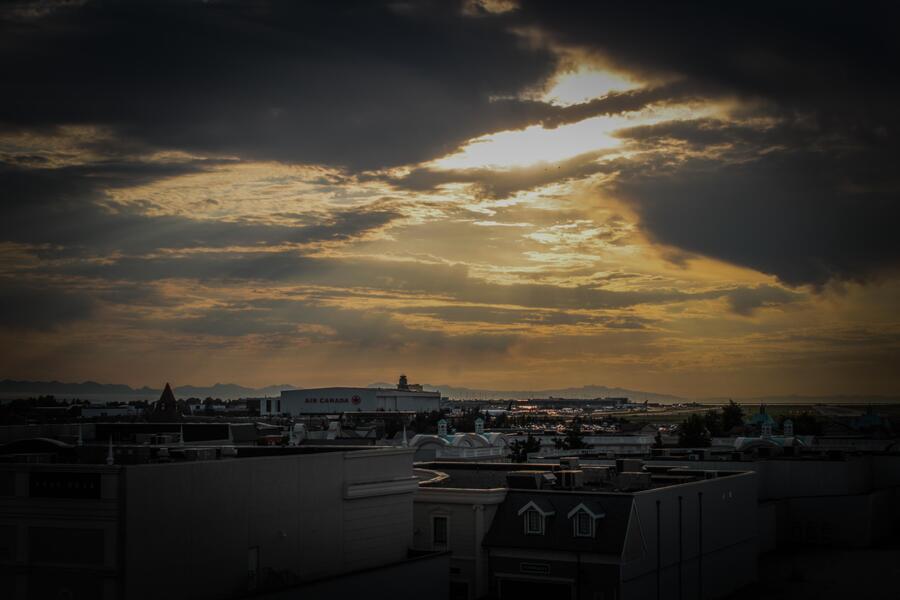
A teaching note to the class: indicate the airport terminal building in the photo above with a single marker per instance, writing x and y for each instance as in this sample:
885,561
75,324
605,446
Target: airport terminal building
336,400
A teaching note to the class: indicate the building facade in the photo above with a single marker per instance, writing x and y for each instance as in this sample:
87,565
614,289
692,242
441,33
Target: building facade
336,400
204,526
565,532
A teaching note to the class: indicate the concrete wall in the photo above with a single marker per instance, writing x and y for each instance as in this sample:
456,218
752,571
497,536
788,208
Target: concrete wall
858,521
829,502
728,532
794,478
886,471
191,526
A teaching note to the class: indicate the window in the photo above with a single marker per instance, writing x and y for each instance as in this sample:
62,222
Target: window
63,545
439,532
269,406
534,522
47,484
584,525
583,517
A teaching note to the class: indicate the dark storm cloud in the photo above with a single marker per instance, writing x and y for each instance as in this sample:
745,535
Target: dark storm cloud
310,321
501,184
823,207
31,307
745,301
451,281
805,217
61,207
359,84
822,56
525,318
372,84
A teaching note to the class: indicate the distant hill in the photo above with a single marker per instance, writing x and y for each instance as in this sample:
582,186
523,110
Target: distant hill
598,391
798,399
92,390
230,391
585,392
225,391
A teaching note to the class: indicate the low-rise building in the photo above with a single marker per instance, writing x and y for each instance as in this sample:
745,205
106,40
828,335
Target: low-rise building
207,521
336,400
808,496
479,445
594,532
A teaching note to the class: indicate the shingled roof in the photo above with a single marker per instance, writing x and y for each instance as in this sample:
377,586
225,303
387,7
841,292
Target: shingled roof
508,531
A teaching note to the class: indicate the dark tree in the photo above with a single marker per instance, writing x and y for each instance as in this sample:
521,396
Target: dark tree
805,423
426,422
693,432
519,450
732,416
712,420
573,439
466,423
501,421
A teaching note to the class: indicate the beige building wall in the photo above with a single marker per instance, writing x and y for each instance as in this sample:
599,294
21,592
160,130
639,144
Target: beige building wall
469,514
210,525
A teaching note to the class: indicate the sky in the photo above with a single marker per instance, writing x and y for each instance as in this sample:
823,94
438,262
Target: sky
511,194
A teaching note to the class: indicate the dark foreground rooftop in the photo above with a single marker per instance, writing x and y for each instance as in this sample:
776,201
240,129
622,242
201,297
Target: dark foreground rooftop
623,478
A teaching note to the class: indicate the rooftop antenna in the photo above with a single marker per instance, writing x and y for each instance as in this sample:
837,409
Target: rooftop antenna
109,455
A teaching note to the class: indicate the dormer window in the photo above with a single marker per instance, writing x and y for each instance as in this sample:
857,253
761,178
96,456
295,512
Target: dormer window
584,519
534,523
535,514
584,525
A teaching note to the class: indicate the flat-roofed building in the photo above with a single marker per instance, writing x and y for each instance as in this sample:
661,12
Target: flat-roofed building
204,521
336,400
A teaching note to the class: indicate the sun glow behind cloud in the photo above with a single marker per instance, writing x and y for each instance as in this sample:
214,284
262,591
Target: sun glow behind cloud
516,262
585,83
537,144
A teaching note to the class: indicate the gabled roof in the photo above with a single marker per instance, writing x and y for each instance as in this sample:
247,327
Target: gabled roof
506,529
592,508
540,505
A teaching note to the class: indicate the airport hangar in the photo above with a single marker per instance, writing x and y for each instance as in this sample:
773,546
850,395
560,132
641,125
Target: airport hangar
335,400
